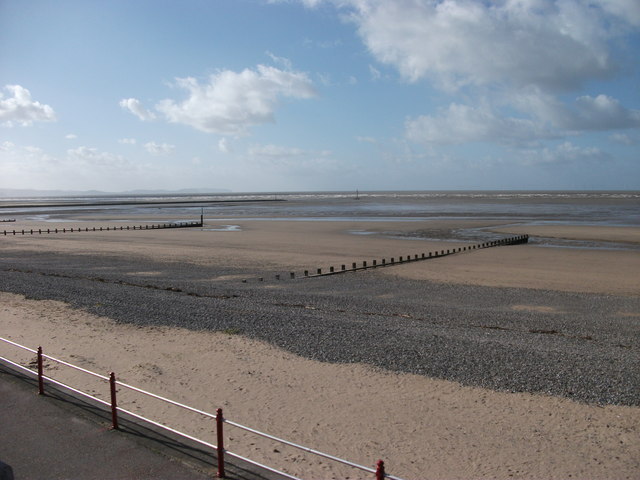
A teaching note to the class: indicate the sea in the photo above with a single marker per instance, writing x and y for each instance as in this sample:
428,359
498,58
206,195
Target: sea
589,208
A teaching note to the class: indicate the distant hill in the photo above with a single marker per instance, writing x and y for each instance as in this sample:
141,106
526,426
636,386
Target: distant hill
16,192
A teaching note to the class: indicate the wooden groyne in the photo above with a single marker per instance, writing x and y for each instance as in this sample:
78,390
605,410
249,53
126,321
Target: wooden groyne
155,226
384,262
416,257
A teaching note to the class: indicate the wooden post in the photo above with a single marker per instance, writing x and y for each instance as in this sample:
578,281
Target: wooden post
114,404
220,443
380,470
40,373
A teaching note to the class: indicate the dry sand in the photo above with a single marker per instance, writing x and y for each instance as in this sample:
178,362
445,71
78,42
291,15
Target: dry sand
423,428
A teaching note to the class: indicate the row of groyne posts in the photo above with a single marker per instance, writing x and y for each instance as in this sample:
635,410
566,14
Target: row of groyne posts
220,451
155,226
519,239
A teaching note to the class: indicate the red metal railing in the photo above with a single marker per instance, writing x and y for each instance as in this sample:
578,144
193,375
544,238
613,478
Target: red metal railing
221,452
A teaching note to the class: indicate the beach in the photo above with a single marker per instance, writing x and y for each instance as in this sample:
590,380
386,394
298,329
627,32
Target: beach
507,362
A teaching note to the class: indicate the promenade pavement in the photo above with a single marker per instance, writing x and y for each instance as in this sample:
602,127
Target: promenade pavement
59,436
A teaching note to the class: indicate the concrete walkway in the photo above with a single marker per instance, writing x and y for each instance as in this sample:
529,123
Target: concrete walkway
59,436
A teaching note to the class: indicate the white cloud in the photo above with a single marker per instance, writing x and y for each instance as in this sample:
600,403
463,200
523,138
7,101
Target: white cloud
628,10
134,106
312,3
274,151
461,123
543,117
375,73
511,57
127,141
325,79
89,156
600,113
230,102
20,165
223,146
323,44
622,138
20,109
564,153
71,136
293,160
554,45
24,154
7,146
285,62
306,3
79,168
159,149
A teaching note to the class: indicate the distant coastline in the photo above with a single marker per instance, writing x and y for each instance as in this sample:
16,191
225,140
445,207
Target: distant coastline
29,193
17,193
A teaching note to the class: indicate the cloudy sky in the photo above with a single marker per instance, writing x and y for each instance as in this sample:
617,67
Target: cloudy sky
258,95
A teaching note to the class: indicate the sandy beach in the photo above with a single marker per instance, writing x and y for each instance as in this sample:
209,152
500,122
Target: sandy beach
422,427
261,247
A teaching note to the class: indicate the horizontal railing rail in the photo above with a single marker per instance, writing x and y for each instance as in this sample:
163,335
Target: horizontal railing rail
221,452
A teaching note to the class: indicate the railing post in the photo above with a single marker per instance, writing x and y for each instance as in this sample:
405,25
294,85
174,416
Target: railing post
40,373
114,405
380,470
220,443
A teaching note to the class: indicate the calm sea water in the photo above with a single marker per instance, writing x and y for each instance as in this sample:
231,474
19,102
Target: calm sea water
610,208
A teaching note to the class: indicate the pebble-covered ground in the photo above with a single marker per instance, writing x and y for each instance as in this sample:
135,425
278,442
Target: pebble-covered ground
582,346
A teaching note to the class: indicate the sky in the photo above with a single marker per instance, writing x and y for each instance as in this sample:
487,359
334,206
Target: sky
319,95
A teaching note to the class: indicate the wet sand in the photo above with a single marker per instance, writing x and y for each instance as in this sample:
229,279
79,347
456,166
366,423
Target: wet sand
267,246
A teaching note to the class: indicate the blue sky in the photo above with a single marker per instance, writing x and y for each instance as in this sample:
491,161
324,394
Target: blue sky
251,95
